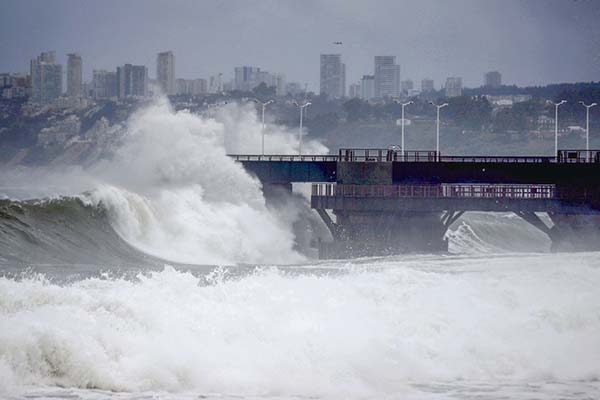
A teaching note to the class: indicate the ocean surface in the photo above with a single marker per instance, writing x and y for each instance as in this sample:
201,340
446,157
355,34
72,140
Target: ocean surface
162,274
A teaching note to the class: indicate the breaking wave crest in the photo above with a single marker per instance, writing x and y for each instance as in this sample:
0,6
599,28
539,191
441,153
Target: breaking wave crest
366,330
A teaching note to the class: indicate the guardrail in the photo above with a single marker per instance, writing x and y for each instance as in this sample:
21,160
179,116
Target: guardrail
394,155
436,191
283,157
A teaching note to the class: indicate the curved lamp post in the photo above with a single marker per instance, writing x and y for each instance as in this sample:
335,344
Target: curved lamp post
301,107
264,106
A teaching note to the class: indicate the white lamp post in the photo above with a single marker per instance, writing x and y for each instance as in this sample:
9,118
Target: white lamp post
301,107
263,105
587,125
402,123
556,105
437,137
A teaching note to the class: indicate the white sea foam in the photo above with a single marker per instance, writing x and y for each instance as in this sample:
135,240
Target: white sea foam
365,330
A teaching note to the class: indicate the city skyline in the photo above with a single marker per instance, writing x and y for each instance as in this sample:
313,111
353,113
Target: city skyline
206,43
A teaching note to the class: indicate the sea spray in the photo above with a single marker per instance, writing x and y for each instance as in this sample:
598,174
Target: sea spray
171,190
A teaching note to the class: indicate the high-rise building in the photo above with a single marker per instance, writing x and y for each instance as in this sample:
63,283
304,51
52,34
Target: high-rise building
493,79
74,75
427,86
46,78
215,84
104,84
280,87
453,87
367,87
165,72
333,76
247,78
132,81
387,77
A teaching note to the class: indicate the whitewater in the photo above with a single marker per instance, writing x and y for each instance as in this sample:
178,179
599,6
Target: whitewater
164,273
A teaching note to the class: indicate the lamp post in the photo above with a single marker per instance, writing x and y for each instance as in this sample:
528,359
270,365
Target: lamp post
437,136
301,107
402,123
587,125
263,105
556,105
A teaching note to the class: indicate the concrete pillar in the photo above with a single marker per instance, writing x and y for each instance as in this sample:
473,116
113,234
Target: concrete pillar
377,233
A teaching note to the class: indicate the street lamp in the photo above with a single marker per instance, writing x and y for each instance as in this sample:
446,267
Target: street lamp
263,105
437,137
402,123
556,105
301,107
587,125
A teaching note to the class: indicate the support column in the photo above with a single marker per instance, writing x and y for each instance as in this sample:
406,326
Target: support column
379,233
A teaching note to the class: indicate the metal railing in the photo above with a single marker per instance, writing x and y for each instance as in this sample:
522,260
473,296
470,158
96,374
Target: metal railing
578,156
436,191
394,155
283,157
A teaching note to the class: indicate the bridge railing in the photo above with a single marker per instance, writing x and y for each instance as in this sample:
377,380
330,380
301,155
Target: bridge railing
578,156
395,155
436,191
283,157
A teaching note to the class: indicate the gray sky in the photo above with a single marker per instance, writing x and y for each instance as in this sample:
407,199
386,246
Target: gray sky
530,42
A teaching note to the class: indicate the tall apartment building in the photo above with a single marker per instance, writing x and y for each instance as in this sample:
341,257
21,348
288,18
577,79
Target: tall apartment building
367,87
387,77
74,75
104,84
165,72
427,86
132,81
493,79
332,76
246,78
453,87
46,78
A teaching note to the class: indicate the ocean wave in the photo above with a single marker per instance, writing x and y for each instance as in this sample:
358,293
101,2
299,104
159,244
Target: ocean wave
365,330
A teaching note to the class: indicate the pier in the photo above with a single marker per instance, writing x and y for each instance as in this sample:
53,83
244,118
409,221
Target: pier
382,201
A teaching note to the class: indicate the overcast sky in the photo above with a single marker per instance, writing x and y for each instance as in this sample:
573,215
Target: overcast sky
529,42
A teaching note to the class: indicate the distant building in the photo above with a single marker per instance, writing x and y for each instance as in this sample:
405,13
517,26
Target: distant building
215,84
165,72
354,91
387,77
453,87
246,78
46,78
332,76
74,75
14,86
406,86
193,87
427,86
132,81
493,79
104,84
367,87
280,87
